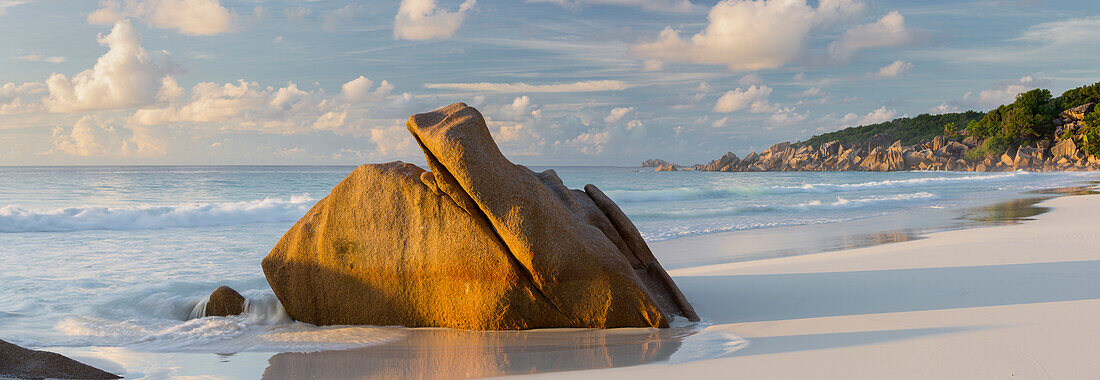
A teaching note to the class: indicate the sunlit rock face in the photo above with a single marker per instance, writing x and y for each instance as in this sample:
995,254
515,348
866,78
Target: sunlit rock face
476,243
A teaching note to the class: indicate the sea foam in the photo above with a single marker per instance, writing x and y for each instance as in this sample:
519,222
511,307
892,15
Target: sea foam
187,215
690,193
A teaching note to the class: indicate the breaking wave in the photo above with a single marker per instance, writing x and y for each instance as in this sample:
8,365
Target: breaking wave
839,203
188,215
688,193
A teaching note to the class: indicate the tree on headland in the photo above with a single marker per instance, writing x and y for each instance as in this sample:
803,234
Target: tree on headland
949,131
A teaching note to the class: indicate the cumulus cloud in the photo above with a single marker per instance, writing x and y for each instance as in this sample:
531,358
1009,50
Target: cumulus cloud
39,58
892,70
90,136
679,6
617,114
20,98
943,108
362,89
582,86
520,108
124,77
749,35
1002,93
740,98
879,115
423,20
890,30
190,17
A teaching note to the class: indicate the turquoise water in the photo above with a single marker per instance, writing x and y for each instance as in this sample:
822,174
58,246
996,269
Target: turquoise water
119,256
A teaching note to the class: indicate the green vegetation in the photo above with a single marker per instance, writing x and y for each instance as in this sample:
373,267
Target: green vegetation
909,130
1080,95
949,131
1028,119
1092,141
992,147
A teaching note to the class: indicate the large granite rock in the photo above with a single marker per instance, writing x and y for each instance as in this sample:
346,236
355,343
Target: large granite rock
1064,148
476,243
21,363
727,160
1077,113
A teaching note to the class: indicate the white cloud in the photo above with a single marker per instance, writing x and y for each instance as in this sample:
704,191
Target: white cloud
520,108
90,136
879,115
422,20
786,116
1064,32
750,35
812,92
649,5
888,31
14,98
332,21
943,108
652,65
582,86
124,77
750,79
739,98
1002,93
39,58
5,4
892,70
191,17
617,114
362,89
720,122
701,91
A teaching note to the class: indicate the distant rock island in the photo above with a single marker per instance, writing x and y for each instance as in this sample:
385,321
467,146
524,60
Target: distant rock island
476,243
1037,132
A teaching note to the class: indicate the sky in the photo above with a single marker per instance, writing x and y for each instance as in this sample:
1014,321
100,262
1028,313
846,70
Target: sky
560,82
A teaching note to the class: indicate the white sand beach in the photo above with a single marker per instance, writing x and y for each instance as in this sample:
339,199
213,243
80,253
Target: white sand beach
1016,301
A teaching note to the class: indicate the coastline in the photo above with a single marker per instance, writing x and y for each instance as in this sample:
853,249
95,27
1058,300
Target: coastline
759,300
997,301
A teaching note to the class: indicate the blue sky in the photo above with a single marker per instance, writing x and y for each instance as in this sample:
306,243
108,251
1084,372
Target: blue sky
562,82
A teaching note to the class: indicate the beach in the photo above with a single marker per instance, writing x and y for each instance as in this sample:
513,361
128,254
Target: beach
986,270
1013,301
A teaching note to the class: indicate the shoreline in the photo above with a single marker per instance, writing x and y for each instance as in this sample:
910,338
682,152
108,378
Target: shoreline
621,350
1010,300
759,244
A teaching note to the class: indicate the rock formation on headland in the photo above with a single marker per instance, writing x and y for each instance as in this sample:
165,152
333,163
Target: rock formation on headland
656,162
21,363
477,242
1057,152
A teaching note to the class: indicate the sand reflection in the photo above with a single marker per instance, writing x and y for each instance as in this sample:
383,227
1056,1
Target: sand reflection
448,353
1002,213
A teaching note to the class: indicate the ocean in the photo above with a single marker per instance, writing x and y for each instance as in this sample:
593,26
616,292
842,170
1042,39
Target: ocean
111,261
